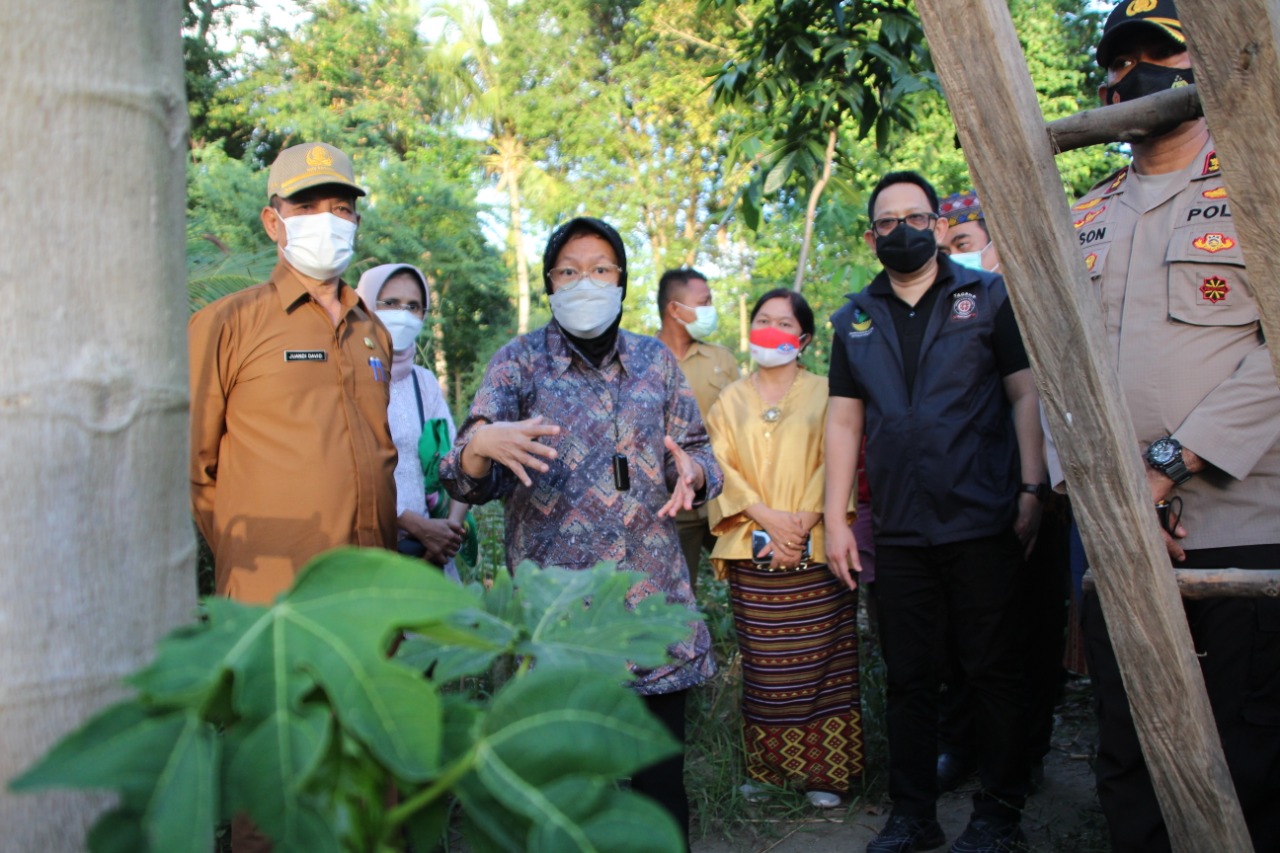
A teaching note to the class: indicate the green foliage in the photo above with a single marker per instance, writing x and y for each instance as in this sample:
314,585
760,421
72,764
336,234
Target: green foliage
296,715
804,69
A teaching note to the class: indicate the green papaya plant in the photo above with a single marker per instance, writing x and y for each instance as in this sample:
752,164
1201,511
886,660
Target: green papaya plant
299,715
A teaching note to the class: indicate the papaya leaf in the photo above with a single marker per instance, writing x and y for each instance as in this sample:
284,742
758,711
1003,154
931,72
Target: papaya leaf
548,752
161,763
586,618
267,767
117,831
331,630
466,644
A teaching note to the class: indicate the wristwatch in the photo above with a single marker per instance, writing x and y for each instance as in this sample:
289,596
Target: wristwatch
1040,490
1165,455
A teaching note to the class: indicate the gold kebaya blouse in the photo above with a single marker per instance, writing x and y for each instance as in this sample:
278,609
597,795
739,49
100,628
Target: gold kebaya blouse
775,460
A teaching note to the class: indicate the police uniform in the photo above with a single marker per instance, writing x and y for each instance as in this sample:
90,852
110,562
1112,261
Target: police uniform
1182,327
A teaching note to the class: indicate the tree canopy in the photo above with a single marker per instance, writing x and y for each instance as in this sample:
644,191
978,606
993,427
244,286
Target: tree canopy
700,128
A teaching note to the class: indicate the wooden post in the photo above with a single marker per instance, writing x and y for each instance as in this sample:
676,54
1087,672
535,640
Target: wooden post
1238,76
984,75
1127,121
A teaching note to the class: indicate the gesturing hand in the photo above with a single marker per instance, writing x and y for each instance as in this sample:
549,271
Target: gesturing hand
689,479
513,444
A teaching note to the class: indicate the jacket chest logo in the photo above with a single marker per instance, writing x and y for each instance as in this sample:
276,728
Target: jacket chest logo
861,325
964,306
1214,289
1213,242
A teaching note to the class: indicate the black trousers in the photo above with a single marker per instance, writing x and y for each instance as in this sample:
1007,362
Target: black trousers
664,781
974,586
1046,591
1238,642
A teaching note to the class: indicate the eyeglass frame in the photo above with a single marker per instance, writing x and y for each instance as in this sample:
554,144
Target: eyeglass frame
930,220
397,305
579,274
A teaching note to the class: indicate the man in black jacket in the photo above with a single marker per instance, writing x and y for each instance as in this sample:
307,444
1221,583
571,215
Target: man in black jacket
927,360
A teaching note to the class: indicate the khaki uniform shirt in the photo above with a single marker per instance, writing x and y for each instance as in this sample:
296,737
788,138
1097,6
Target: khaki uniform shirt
1183,329
290,450
709,368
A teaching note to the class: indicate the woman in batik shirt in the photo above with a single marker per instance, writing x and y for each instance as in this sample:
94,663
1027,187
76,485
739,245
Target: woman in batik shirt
592,436
796,622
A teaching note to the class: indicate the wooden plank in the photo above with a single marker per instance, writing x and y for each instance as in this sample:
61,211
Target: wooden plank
1233,52
1130,121
1220,583
984,75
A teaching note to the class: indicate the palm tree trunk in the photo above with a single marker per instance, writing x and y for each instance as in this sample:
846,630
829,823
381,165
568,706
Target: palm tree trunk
517,244
95,522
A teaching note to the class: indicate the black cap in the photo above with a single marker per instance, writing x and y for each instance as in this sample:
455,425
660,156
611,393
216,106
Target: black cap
576,228
1159,14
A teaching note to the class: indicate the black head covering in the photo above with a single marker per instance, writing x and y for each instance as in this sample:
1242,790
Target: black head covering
576,228
595,349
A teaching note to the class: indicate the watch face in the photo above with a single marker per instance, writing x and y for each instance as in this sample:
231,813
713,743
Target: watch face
1162,451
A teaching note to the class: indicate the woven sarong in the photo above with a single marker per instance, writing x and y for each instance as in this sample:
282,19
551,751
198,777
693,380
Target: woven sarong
798,634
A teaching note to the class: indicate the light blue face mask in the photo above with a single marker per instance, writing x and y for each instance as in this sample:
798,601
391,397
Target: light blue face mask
704,324
971,260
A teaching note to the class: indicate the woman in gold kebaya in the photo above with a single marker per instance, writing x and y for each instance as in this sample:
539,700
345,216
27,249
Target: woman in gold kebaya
796,623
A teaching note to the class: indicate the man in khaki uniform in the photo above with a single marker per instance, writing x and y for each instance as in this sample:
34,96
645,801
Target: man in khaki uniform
1182,325
290,450
688,318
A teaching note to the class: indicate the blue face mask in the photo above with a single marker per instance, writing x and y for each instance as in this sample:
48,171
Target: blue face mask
971,260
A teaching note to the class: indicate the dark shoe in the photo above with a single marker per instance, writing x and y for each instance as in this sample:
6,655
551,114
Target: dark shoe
984,836
905,834
954,769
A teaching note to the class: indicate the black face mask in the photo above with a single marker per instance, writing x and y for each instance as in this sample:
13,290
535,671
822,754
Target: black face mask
906,249
1146,78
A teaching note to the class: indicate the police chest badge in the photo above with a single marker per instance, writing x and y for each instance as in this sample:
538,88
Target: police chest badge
964,306
1214,289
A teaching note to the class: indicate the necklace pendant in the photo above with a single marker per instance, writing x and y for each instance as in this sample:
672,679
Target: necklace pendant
772,415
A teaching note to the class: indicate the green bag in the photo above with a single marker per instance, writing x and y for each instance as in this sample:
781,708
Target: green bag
432,446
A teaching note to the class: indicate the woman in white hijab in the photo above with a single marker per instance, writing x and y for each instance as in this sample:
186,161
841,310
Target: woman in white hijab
398,294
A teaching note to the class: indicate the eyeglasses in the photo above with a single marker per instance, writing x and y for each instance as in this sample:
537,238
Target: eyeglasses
884,226
411,306
603,273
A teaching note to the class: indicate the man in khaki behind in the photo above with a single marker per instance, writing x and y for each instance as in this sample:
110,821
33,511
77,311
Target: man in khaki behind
688,318
290,450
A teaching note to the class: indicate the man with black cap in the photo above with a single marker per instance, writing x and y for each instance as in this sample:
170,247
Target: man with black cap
928,362
290,450
1163,253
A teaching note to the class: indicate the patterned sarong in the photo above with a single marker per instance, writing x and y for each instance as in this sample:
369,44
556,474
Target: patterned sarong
798,634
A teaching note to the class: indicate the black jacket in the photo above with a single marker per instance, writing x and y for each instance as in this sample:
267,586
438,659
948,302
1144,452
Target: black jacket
942,463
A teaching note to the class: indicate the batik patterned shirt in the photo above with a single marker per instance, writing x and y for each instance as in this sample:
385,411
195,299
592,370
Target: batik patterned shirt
574,515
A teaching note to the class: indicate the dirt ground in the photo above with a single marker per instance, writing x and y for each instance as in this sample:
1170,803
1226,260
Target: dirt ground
1062,816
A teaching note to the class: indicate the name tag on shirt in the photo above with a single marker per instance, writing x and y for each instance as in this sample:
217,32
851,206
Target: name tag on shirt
305,355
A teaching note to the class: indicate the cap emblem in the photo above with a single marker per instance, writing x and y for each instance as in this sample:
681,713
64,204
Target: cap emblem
1138,7
318,158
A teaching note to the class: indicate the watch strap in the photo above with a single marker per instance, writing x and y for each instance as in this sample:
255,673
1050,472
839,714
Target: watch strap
1040,490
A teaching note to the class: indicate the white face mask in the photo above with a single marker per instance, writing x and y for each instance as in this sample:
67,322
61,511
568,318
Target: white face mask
971,260
320,244
587,307
704,324
404,327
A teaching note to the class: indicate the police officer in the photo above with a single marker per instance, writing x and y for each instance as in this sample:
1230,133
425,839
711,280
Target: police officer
1163,253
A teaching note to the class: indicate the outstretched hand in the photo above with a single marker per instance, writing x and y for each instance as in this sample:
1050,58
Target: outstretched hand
514,444
690,478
